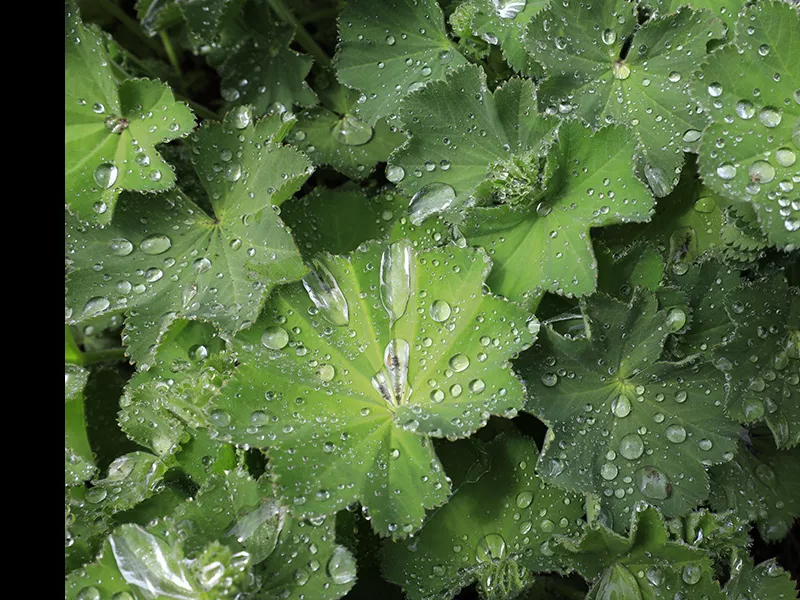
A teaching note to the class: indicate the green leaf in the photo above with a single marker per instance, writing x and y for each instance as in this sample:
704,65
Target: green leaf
709,289
164,405
602,66
749,151
546,245
495,529
100,579
620,271
344,142
111,130
721,534
78,458
185,262
762,361
390,49
761,484
338,220
205,18
345,381
766,581
625,425
725,10
644,566
258,68
504,22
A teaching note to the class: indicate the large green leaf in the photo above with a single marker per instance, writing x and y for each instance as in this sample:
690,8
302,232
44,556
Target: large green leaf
644,566
766,581
182,261
761,484
749,151
762,361
111,130
495,529
391,48
346,379
625,425
602,66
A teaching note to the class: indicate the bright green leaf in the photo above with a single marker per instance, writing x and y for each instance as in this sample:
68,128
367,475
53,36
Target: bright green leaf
766,581
185,262
390,49
602,66
495,529
625,425
346,381
749,152
111,131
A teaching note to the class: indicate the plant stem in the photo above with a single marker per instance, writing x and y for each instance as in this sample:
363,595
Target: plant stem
304,38
173,58
131,25
111,354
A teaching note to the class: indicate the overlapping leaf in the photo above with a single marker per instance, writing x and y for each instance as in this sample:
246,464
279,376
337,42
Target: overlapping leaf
601,66
111,130
390,49
749,151
346,379
78,459
496,529
762,361
644,566
766,581
625,425
186,261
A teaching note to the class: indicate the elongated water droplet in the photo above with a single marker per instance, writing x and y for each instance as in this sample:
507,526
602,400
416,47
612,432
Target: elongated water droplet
341,566
95,306
352,131
396,358
324,291
397,268
432,199
508,9
155,244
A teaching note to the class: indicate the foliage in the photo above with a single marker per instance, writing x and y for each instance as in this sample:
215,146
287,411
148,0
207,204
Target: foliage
431,299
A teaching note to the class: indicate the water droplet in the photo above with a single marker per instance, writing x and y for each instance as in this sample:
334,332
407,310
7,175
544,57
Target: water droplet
233,172
785,157
631,446
352,131
653,484
202,265
89,593
476,386
745,109
770,116
674,77
508,9
241,116
155,244
219,418
676,434
692,574
390,40
324,292
753,409
676,319
395,173
440,310
120,247
705,444
621,70
326,372
524,499
608,471
153,274
341,566
397,267
609,36
726,171
95,306
761,172
491,547
691,135
459,362
432,199
705,205
106,175
621,406
275,337
198,353
549,379
715,89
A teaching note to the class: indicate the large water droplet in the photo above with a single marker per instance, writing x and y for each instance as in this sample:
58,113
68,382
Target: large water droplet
631,446
352,131
524,499
785,157
617,583
432,199
95,306
395,173
324,292
155,244
692,574
341,566
621,406
491,547
106,175
440,310
745,109
459,362
761,172
397,268
770,116
621,70
120,247
653,484
676,434
275,337
508,9
726,171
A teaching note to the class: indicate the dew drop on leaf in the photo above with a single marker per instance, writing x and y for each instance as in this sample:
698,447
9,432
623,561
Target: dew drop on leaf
352,131
275,337
440,310
155,244
106,175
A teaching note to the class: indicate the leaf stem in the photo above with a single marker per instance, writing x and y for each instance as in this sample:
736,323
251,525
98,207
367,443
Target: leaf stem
173,58
304,38
131,25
